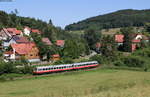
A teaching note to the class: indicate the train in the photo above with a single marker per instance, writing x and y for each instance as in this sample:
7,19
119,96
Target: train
64,67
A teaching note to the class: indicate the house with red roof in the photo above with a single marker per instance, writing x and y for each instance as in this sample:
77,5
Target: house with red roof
46,41
8,33
27,31
136,39
119,38
14,39
60,43
55,57
36,31
27,50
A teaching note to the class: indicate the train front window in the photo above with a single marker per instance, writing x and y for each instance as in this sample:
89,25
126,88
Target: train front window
35,69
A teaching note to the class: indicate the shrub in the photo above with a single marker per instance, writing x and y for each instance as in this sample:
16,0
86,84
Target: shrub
99,58
134,61
143,53
1,68
64,61
119,63
26,69
9,68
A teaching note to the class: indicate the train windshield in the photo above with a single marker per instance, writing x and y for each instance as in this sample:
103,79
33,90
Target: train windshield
35,69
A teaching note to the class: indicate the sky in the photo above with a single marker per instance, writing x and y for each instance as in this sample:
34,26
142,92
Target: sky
65,12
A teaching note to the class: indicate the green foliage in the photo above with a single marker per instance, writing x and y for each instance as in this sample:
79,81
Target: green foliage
92,37
134,61
99,58
26,69
64,61
74,48
108,48
7,67
122,18
44,49
71,49
147,27
119,63
127,44
143,53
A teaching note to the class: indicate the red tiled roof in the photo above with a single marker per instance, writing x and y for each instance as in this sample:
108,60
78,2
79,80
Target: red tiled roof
136,41
119,38
18,32
36,31
13,31
56,55
8,52
47,41
60,42
23,48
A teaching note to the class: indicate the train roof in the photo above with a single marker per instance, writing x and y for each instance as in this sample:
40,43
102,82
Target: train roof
61,65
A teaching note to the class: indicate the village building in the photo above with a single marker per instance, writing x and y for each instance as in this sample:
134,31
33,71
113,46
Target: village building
27,50
60,43
55,57
136,39
46,41
14,39
27,31
8,33
36,31
119,38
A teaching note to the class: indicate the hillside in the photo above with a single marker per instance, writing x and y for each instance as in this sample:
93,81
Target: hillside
12,20
121,18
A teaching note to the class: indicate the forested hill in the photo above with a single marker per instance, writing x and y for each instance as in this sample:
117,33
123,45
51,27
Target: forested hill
121,18
15,21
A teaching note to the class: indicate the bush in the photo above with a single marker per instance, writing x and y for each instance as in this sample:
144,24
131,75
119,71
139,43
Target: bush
26,69
134,61
99,58
64,61
119,63
9,68
143,53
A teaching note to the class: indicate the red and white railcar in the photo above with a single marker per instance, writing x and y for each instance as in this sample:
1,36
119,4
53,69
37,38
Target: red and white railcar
64,67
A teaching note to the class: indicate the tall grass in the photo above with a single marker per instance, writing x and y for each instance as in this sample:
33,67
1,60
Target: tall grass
95,83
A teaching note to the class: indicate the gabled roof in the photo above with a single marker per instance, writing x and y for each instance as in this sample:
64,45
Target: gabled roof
56,55
21,39
60,42
8,52
23,48
36,31
46,41
13,31
119,38
136,40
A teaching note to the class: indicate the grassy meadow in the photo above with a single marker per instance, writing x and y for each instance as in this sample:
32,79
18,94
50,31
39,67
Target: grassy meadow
90,83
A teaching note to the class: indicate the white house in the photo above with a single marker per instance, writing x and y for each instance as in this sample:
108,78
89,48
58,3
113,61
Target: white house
27,31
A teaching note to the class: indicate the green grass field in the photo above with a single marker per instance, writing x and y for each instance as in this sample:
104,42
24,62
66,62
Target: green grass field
94,83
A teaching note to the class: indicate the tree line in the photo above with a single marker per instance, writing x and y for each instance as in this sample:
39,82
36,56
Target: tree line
121,18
